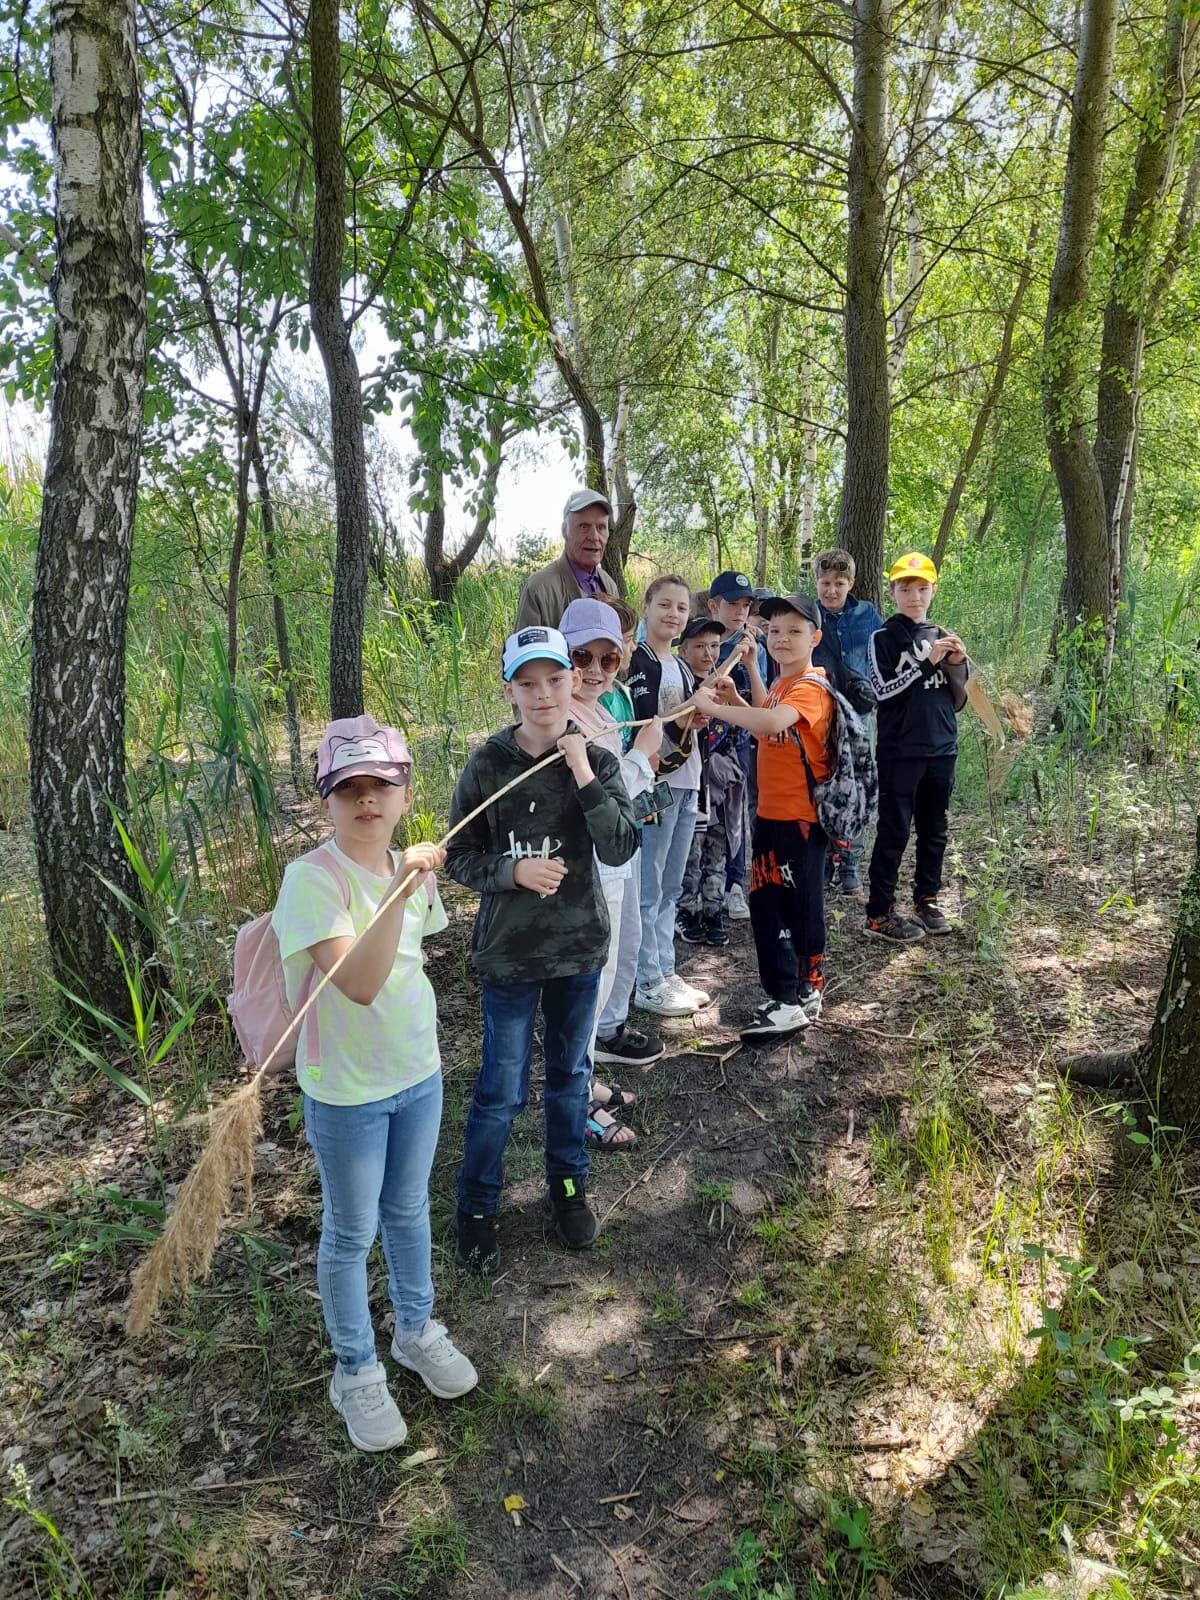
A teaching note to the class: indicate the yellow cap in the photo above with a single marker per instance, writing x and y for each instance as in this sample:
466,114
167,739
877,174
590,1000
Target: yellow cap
913,565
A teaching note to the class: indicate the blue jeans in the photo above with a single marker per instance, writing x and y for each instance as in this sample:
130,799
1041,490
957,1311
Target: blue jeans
502,1087
664,857
374,1161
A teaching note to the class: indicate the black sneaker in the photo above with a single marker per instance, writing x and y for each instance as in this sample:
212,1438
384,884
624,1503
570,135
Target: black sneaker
565,1209
900,930
629,1047
931,916
714,930
475,1242
690,927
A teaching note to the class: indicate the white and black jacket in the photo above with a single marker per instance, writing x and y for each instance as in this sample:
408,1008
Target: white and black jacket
917,704
644,681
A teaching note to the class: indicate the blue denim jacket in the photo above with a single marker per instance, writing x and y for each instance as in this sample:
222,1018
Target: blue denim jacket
854,624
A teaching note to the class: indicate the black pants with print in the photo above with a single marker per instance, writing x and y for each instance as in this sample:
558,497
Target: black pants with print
787,905
910,792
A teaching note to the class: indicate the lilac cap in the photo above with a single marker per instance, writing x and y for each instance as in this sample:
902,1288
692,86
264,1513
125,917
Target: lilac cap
584,620
353,746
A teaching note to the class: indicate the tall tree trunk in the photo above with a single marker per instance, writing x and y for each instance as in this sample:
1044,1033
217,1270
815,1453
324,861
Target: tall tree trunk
991,399
443,572
1171,1060
1133,285
1168,1063
1087,593
865,479
911,178
81,584
808,504
332,330
283,643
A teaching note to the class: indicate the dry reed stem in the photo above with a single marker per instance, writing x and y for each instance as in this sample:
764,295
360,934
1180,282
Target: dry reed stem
184,1250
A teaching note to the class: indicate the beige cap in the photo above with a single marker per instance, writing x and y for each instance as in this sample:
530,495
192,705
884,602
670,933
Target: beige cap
580,498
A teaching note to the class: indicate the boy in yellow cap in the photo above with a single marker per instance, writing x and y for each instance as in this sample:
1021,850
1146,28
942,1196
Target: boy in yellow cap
919,675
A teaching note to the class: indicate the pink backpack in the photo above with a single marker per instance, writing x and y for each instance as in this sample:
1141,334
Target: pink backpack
258,1006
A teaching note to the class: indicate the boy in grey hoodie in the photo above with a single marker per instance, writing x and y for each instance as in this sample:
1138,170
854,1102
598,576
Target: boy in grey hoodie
541,934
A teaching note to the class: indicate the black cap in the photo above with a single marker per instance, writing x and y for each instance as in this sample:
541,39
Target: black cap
763,594
699,625
731,586
802,604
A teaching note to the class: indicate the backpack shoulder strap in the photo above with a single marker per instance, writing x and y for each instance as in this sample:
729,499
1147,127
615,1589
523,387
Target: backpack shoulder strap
322,857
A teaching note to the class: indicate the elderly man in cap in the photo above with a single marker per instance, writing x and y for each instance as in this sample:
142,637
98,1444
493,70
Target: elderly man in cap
547,593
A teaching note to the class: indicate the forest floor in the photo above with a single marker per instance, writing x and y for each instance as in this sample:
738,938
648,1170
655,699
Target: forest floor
886,1310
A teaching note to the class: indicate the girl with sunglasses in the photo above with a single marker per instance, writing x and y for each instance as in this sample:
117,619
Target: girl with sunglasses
592,630
659,683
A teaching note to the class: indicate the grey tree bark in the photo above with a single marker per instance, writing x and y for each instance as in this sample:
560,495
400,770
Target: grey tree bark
1087,591
1167,1064
1135,282
81,585
862,512
331,328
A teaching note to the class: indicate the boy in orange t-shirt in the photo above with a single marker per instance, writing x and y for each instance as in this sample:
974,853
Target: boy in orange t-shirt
787,882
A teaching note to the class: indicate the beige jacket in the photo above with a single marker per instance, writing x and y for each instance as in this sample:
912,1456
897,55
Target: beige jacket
547,593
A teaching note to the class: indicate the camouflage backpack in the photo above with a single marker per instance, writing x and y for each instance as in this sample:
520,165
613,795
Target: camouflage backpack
847,800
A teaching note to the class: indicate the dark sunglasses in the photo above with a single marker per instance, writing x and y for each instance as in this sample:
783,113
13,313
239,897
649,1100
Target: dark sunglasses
609,661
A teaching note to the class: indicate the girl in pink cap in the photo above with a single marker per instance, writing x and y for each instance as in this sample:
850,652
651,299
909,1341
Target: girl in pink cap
372,1079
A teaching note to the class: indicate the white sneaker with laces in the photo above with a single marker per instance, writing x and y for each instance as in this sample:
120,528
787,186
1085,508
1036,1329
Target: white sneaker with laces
661,1000
436,1360
372,1417
776,1019
736,907
687,992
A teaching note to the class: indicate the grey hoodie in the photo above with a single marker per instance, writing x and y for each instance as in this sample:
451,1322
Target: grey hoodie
519,937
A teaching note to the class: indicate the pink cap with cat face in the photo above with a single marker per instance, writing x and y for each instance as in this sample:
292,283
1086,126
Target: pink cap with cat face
356,746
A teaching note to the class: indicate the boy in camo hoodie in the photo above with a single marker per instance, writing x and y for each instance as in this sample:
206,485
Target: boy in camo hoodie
541,934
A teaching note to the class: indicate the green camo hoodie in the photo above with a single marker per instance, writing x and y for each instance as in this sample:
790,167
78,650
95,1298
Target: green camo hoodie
519,937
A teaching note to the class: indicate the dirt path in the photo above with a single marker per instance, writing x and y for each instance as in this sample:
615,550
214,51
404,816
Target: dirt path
630,1397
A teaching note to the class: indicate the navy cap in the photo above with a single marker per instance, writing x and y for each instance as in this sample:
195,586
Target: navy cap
731,586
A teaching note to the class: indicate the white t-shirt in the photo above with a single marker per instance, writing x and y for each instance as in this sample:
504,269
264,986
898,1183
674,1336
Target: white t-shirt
670,695
366,1052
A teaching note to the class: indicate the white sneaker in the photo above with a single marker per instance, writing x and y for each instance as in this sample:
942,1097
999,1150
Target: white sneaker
775,1019
696,998
662,1000
736,908
810,1004
372,1417
441,1367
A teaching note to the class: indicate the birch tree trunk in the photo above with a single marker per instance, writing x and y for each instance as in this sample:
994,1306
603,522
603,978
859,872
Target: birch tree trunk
81,586
1087,594
332,331
863,506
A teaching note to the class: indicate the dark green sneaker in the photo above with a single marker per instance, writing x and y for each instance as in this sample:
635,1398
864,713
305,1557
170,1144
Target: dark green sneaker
475,1246
565,1209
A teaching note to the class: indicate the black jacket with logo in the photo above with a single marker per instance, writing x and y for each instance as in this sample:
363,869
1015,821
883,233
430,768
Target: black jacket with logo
519,937
917,704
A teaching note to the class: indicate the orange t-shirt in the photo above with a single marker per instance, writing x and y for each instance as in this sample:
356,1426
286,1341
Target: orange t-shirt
782,785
